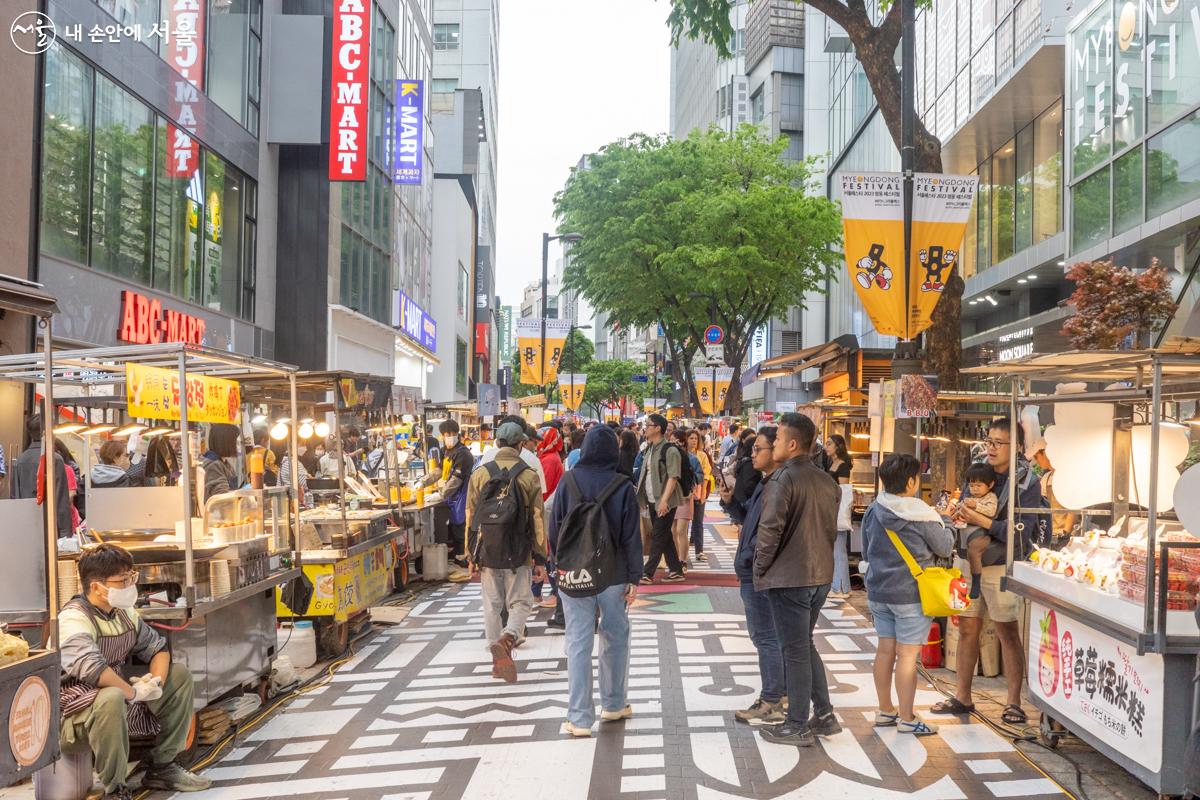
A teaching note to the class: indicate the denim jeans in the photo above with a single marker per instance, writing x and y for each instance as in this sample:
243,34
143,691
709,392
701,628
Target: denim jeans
761,624
796,611
613,657
841,563
662,543
698,527
505,590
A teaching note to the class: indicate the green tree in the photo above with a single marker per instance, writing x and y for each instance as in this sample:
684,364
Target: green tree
577,352
875,44
609,381
680,233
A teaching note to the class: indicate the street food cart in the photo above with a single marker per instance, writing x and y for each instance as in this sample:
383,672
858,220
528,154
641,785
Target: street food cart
1113,638
208,566
28,594
354,545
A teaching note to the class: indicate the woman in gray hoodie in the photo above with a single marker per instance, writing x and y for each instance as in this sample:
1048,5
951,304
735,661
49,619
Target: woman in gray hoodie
892,593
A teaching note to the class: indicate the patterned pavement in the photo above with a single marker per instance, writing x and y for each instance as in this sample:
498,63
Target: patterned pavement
416,716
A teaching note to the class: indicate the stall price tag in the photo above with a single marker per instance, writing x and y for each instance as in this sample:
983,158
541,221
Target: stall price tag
1098,684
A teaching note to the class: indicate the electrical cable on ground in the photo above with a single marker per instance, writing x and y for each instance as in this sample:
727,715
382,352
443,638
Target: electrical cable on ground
1017,737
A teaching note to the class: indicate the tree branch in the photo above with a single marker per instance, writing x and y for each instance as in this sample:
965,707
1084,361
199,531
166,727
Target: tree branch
840,13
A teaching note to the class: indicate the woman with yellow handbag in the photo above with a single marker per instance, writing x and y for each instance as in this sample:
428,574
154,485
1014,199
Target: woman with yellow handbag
901,537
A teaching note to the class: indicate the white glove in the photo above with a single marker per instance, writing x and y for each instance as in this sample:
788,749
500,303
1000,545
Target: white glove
146,688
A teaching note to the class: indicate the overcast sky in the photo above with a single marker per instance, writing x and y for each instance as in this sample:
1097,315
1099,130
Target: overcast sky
574,75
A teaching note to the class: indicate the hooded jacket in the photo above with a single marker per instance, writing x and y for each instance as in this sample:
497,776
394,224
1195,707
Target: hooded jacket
798,527
923,532
596,469
108,476
743,562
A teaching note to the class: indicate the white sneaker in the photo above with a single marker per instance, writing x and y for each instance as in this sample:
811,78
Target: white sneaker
616,716
918,727
884,719
575,730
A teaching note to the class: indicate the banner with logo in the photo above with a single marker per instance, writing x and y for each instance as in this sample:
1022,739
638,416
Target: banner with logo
410,131
571,386
1100,684
712,386
652,404
556,338
529,343
941,207
154,393
873,224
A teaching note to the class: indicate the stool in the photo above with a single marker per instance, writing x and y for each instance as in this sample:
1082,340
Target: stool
69,778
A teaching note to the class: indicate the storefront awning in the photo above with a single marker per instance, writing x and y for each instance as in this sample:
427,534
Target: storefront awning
808,357
26,297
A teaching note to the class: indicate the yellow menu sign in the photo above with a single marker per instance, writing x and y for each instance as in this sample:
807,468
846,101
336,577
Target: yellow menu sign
156,394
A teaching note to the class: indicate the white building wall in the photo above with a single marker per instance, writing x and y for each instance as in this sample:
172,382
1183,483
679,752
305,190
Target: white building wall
453,233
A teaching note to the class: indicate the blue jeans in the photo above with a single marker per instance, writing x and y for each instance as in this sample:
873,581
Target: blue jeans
614,652
841,563
761,624
796,611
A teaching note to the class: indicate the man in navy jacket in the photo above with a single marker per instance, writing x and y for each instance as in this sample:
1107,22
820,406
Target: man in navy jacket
596,470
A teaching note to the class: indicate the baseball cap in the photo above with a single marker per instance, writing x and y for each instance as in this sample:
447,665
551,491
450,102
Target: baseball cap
510,433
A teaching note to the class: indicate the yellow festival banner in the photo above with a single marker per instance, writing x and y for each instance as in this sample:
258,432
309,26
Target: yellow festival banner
901,303
556,339
712,386
529,342
571,386
941,208
155,394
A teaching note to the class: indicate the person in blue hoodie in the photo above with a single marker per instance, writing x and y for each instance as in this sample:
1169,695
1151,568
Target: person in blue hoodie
595,472
760,621
892,593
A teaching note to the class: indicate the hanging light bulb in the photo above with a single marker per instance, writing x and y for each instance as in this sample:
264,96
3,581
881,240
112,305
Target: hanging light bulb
279,431
306,430
258,419
129,430
97,429
322,429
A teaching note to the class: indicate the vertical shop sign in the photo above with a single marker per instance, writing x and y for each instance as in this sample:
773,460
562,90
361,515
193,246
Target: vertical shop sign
410,131
349,90
185,54
1099,683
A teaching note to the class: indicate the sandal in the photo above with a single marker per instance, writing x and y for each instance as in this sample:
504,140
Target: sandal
1014,715
952,706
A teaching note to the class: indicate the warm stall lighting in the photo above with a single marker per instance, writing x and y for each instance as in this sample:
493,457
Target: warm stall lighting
157,431
860,436
306,430
258,419
98,429
279,431
129,430
69,427
321,429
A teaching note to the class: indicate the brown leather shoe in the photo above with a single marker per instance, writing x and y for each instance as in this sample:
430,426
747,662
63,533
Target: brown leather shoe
503,666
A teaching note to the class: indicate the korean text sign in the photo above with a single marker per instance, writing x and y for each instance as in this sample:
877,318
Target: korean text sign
155,394
410,131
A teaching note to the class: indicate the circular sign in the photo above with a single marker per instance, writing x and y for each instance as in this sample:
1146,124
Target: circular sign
29,721
714,335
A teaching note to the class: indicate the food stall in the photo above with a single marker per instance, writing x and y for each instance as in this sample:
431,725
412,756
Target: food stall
208,566
353,540
1113,638
28,595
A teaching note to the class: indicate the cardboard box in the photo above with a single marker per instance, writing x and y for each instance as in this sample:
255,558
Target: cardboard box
989,649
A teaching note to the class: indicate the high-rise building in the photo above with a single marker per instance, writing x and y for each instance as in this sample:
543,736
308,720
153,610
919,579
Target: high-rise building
707,89
466,36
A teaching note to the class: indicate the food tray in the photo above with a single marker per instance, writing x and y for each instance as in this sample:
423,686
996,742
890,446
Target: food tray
1176,601
1177,581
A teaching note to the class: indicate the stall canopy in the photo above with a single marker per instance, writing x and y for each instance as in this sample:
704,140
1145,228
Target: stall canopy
26,297
1101,365
806,358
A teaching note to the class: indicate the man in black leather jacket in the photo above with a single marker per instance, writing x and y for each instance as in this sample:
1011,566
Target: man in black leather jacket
794,561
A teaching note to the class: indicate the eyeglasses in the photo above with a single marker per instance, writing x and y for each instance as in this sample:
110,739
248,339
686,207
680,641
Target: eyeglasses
995,444
126,580
757,449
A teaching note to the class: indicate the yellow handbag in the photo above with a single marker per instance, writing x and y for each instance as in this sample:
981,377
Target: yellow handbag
943,590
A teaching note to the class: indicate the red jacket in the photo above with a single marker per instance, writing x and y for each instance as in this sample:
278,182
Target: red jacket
552,465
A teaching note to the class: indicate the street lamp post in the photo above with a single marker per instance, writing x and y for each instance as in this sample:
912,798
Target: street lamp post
571,238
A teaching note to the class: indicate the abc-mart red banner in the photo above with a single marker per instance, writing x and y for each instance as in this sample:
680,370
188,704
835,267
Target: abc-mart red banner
185,54
349,91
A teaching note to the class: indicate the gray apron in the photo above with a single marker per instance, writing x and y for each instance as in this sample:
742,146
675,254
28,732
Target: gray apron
75,695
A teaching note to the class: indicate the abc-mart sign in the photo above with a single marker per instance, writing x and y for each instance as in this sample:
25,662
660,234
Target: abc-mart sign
349,90
1120,50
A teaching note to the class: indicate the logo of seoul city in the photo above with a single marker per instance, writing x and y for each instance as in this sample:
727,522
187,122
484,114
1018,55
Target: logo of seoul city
32,33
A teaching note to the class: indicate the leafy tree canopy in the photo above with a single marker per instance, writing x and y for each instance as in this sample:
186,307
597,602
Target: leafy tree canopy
1115,304
716,227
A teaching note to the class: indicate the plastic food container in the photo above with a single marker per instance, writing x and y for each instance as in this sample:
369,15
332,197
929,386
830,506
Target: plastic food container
1176,601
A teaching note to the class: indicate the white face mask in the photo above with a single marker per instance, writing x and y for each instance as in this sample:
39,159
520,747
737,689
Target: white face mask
122,598
450,441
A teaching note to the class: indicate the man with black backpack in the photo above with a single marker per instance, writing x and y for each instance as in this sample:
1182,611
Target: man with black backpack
597,544
666,478
505,516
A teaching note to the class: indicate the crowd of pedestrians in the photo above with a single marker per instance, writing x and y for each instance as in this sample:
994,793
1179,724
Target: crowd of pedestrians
595,512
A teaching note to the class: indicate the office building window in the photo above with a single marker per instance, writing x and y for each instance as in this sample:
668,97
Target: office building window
445,36
1003,201
1089,211
133,13
443,85
1023,206
757,107
1127,190
222,236
461,366
1173,166
66,155
1174,64
462,291
983,216
791,100
1047,173
233,58
795,148
123,169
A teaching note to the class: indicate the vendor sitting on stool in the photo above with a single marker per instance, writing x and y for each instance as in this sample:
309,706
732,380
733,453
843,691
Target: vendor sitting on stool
102,635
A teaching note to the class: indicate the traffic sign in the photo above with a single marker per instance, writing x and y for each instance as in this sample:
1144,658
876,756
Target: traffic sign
714,354
641,379
713,334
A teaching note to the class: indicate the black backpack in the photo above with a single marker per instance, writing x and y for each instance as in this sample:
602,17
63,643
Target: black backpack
502,536
687,478
586,556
